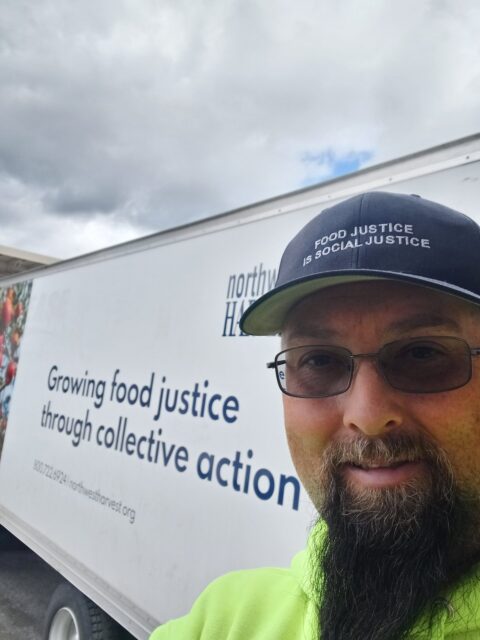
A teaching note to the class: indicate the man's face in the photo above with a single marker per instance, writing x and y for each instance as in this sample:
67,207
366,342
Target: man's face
363,317
394,474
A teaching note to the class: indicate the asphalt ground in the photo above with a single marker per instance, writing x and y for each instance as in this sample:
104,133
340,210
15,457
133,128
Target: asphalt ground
26,585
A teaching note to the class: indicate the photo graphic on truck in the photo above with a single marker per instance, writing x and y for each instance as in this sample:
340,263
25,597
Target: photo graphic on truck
13,315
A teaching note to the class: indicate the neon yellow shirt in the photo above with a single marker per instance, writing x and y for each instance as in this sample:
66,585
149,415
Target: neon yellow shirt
277,604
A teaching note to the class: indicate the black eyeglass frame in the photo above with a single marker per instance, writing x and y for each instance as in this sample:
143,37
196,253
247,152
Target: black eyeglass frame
473,351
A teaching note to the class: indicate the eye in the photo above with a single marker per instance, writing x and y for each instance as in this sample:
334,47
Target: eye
318,359
423,352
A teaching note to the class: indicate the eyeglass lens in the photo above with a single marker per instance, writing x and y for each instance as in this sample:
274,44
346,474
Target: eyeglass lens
422,365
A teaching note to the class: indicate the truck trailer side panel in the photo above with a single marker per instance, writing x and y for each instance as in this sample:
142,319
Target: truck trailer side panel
144,452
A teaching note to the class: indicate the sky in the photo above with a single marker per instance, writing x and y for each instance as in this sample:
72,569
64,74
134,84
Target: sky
120,118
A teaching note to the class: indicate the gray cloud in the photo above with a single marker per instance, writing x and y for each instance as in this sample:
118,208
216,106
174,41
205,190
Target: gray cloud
122,118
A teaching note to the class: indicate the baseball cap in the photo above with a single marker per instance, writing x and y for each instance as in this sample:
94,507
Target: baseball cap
373,236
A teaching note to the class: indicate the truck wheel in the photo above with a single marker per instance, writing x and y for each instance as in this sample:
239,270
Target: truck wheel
72,616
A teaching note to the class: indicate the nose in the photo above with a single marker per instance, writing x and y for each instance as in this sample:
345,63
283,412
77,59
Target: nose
371,405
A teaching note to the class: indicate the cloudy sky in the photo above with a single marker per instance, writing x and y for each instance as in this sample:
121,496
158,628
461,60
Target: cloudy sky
119,118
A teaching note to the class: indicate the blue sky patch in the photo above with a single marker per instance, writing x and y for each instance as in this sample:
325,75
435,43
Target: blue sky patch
327,164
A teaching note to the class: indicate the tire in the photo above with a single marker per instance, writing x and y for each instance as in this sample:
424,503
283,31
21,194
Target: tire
72,616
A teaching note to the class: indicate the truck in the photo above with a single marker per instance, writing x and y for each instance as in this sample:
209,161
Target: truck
142,445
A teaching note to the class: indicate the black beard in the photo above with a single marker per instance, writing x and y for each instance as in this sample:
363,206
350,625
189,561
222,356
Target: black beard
388,552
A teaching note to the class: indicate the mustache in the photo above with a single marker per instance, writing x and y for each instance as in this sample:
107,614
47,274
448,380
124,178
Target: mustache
388,449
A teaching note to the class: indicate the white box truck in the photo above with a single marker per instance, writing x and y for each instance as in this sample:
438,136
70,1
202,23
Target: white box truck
142,444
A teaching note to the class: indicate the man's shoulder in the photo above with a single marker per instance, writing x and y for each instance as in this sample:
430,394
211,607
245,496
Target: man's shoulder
235,604
260,586
252,578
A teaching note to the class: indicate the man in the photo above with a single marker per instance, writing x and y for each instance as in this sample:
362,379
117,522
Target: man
378,306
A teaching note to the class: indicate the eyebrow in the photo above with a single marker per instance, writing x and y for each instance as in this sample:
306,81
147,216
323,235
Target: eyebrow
424,320
307,331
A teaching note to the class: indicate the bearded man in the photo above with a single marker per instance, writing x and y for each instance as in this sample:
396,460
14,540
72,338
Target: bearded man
378,306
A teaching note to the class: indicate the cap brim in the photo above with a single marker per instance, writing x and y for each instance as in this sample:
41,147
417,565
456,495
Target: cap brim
267,315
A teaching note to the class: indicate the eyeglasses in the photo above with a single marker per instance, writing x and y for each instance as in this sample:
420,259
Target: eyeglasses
414,365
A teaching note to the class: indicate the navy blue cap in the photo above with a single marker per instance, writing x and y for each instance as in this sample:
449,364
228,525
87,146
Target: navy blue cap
374,235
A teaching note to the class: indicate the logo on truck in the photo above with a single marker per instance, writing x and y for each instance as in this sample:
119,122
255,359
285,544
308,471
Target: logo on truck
242,290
